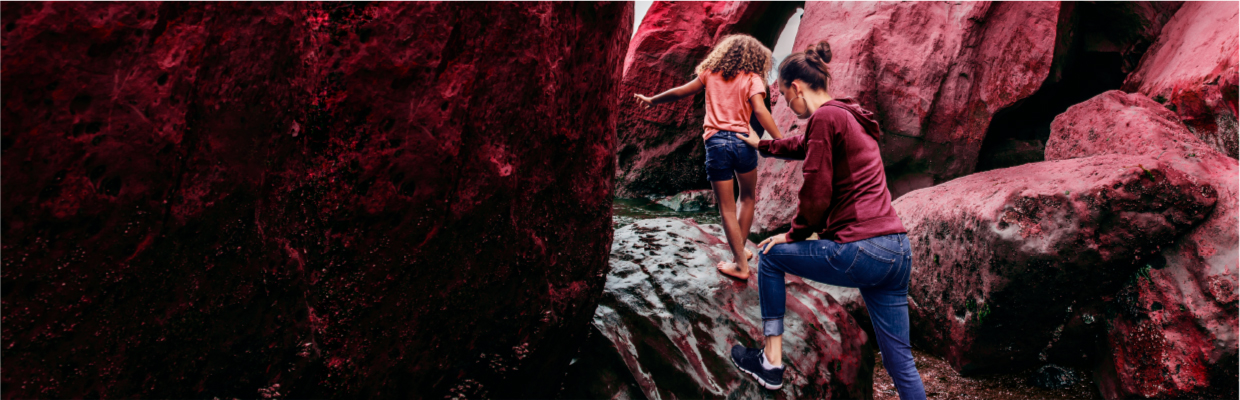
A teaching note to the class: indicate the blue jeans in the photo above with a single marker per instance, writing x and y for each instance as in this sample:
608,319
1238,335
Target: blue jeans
725,154
879,266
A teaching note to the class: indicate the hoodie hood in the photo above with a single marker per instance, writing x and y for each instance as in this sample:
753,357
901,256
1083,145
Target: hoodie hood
863,116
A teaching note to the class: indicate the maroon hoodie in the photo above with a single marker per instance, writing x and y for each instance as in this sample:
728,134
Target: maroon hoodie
844,197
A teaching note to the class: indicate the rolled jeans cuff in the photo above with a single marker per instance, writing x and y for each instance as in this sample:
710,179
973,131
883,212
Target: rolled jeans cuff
773,327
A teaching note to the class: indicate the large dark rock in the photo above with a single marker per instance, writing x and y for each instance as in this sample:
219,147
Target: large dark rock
1171,332
660,149
670,320
1001,256
314,199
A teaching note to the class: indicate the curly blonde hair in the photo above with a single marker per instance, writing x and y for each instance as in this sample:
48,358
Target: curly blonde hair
735,54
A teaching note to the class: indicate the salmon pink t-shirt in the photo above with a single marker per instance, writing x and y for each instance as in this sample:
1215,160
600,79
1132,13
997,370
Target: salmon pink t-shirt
727,102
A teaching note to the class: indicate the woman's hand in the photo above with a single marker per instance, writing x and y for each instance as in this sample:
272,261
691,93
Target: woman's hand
750,139
771,241
644,99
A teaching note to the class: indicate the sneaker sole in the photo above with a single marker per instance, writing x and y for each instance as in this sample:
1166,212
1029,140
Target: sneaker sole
755,377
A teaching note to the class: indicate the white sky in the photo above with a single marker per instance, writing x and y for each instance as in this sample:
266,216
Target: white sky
639,12
783,45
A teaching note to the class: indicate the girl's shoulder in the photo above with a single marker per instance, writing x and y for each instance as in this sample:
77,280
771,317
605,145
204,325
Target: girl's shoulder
741,76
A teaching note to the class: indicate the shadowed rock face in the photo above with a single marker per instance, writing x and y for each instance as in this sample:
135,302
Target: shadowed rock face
1000,255
1097,44
960,88
314,200
934,73
660,148
1172,332
1192,69
670,320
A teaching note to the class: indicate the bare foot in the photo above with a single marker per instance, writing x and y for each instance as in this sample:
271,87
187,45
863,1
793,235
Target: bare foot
733,270
748,255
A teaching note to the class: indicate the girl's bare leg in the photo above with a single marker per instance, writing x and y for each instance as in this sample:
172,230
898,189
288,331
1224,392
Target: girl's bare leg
749,198
739,268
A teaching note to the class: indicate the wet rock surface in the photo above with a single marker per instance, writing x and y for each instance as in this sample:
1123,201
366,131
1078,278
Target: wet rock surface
1192,70
1052,376
660,148
306,199
627,211
673,318
689,201
1000,255
1171,331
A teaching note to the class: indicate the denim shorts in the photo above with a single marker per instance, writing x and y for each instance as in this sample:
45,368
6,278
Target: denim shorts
727,154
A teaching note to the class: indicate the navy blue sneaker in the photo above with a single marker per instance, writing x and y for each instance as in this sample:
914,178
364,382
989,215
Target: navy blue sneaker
750,361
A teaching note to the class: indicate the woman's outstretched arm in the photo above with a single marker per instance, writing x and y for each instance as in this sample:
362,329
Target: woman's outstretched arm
678,93
788,148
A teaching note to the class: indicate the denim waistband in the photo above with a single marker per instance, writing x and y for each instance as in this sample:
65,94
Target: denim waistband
724,136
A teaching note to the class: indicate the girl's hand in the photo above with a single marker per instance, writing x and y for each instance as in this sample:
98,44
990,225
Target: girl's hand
771,241
644,99
750,139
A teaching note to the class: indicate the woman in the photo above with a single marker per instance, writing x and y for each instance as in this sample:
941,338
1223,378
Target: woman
844,200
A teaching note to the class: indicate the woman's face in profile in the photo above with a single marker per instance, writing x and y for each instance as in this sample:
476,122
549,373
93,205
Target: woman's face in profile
793,99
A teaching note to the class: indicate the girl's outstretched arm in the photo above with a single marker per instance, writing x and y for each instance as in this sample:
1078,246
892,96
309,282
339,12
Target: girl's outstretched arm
678,93
764,115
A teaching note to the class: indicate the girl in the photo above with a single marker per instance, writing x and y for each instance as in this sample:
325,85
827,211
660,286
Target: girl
734,77
862,242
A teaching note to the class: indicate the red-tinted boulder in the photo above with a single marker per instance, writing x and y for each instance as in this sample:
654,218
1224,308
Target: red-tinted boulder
1120,123
935,73
670,320
1176,334
1192,69
304,199
660,148
1000,255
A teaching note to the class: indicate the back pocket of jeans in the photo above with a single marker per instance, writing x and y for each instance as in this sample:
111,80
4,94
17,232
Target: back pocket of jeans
714,156
871,266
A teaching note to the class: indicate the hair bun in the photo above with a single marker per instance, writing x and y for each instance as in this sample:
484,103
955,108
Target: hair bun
822,50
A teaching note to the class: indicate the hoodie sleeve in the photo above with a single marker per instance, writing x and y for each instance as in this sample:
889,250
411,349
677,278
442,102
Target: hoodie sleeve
814,199
788,148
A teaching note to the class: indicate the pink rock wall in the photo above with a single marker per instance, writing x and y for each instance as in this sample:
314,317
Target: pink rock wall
934,73
304,199
1192,69
1179,336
